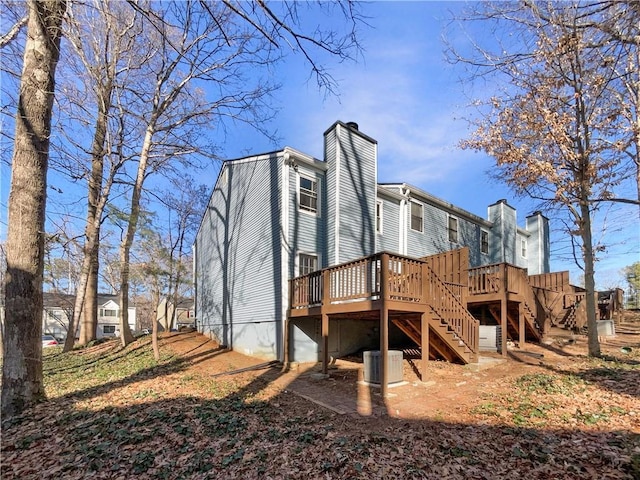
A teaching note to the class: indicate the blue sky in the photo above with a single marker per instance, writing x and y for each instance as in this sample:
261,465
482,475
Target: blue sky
405,95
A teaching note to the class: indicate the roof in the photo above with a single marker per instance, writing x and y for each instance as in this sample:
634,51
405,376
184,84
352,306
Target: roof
64,300
433,200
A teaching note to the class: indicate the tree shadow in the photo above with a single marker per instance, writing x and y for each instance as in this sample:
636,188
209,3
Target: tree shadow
616,373
263,429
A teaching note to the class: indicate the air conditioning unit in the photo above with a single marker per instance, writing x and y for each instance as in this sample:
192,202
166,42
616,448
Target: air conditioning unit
373,366
489,340
606,328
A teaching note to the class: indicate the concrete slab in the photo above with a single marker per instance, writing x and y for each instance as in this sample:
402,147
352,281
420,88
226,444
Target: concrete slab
485,363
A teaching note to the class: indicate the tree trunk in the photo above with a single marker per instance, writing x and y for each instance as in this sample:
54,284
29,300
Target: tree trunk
125,246
22,363
95,206
155,296
589,281
89,323
87,294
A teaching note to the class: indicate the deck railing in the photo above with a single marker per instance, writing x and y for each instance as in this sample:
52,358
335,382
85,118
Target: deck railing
356,280
448,307
306,291
503,277
487,279
409,280
359,280
572,299
495,278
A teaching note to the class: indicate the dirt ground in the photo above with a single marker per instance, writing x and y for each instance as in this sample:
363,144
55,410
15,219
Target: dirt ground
446,392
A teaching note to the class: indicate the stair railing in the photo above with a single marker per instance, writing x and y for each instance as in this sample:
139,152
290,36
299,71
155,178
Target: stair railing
449,309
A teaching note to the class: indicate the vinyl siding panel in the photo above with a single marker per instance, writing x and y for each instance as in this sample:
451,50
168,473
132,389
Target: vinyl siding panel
357,195
330,152
520,260
307,233
389,239
435,236
238,260
538,246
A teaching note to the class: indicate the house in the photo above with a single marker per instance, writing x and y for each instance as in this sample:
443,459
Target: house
285,214
58,309
179,316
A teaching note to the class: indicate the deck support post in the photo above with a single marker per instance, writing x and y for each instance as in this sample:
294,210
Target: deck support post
384,324
325,343
326,303
503,322
521,325
424,334
384,350
287,326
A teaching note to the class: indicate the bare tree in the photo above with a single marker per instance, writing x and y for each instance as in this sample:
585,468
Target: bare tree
191,50
103,36
22,363
552,128
203,43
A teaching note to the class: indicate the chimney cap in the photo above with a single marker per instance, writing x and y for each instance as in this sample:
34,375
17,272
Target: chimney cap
352,125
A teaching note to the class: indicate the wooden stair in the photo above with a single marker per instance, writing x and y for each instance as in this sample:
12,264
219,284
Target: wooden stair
443,341
532,329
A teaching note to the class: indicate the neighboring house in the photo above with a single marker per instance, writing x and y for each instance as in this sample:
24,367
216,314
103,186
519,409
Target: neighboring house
279,215
182,315
58,309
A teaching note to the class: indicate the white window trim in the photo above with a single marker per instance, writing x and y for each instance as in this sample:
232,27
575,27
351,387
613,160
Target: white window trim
311,254
411,216
523,247
481,232
379,203
457,240
313,178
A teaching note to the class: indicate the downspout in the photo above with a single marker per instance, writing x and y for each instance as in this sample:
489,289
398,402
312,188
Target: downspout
194,276
404,225
336,226
285,252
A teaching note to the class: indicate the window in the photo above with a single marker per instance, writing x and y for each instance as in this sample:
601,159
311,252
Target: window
109,329
453,229
416,216
307,263
105,312
523,248
484,241
378,217
308,194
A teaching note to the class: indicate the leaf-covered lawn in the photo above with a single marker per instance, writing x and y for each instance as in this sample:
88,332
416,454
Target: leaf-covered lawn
115,413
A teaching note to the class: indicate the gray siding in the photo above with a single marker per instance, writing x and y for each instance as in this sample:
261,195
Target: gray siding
503,233
238,260
351,192
330,149
307,233
520,260
389,239
539,248
435,237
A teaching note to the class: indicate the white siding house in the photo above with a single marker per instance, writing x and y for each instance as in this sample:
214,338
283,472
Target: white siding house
275,216
58,309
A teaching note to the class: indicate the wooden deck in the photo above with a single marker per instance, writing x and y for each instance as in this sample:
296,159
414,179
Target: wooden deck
430,300
394,288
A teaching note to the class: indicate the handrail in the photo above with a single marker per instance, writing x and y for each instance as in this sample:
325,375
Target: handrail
518,282
447,306
486,279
